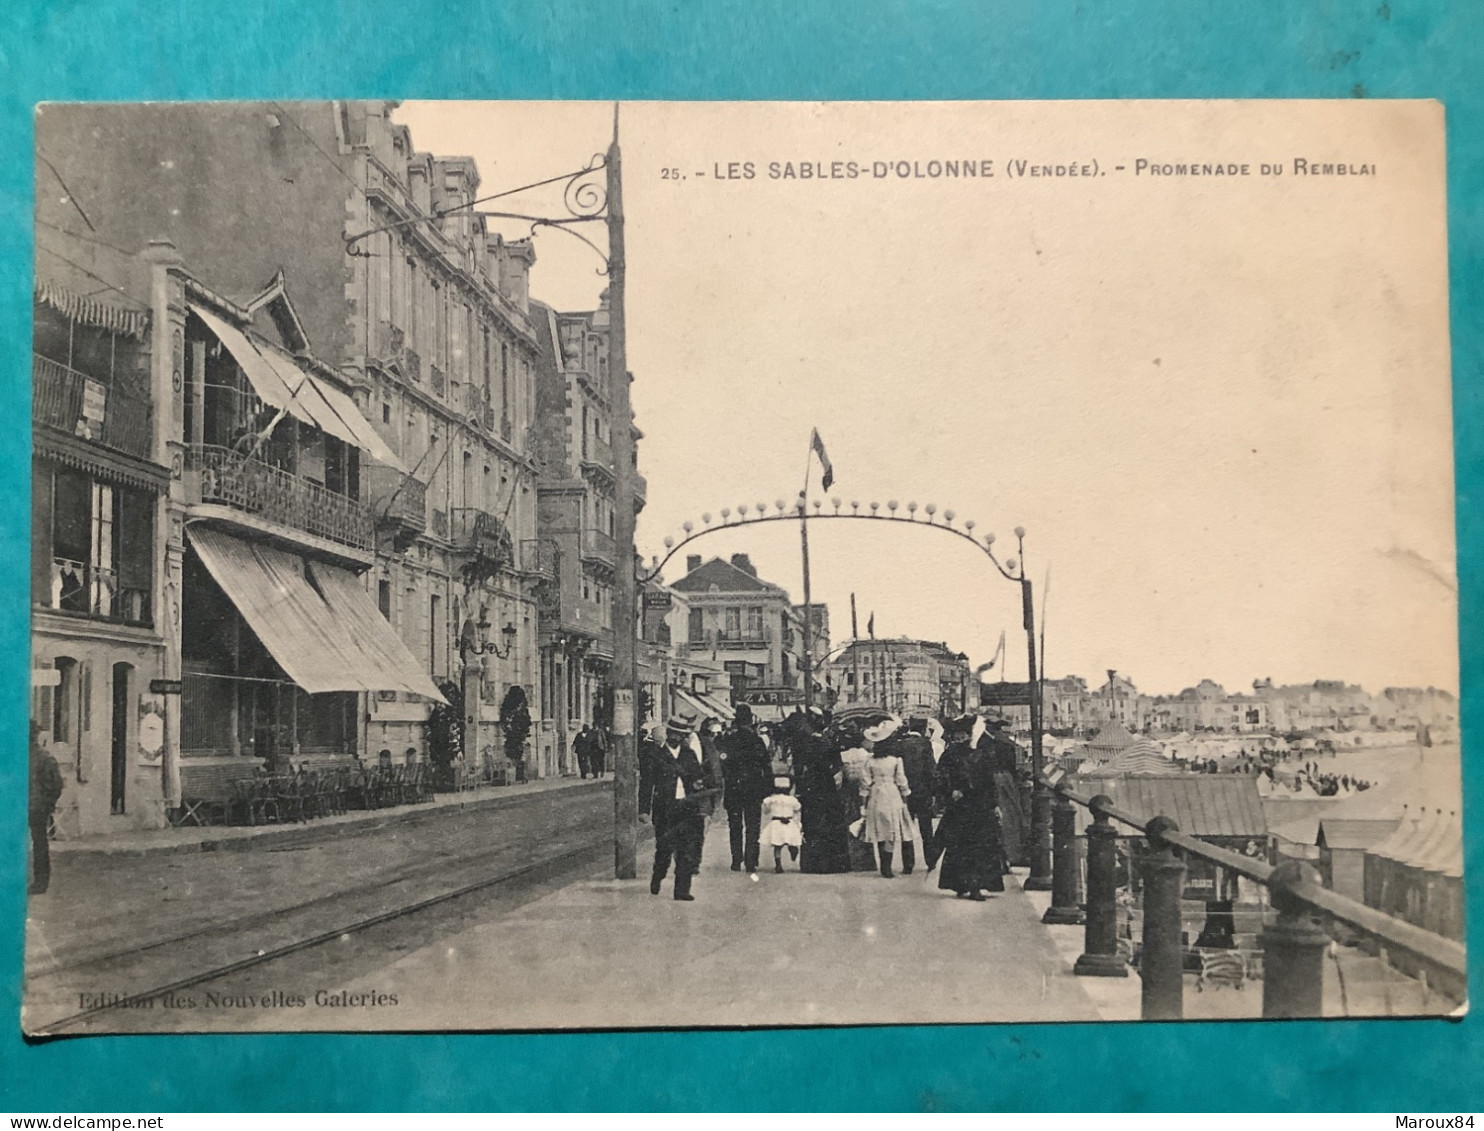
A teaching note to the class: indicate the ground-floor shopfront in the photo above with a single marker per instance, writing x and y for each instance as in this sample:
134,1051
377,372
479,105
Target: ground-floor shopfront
92,699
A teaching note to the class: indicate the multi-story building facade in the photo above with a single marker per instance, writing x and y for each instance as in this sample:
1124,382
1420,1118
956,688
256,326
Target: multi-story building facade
100,482
910,677
577,522
1119,700
231,568
1065,705
751,629
409,315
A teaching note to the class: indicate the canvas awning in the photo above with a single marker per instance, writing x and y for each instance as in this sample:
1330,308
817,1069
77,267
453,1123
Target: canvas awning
698,706
324,643
352,605
284,383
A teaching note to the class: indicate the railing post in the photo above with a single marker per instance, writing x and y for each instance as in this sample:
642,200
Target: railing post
1040,846
1162,965
1293,949
1100,956
1064,908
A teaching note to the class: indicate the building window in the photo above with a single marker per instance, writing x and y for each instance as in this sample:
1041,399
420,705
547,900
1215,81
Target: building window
754,622
93,546
384,598
435,634
734,623
696,631
505,379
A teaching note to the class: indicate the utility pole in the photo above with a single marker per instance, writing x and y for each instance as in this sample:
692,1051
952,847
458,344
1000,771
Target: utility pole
855,652
1040,855
808,602
625,617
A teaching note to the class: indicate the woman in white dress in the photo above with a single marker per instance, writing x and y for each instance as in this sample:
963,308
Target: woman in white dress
884,793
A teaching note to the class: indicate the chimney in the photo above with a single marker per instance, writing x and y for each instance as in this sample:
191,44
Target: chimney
744,563
692,563
510,266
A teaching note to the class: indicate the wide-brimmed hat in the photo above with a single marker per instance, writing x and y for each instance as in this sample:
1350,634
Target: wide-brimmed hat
679,724
782,781
882,730
960,727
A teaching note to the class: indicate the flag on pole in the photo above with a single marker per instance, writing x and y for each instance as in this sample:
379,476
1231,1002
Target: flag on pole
871,627
829,469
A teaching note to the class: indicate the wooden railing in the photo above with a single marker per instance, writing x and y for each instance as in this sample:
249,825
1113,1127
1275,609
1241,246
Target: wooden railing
249,485
1293,948
84,406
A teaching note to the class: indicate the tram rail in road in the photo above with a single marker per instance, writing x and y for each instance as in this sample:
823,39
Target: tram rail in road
590,850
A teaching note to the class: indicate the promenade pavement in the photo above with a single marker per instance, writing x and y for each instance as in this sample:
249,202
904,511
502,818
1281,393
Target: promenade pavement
788,949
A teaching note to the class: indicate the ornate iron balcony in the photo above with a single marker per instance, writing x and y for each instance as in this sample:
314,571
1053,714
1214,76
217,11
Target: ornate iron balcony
231,479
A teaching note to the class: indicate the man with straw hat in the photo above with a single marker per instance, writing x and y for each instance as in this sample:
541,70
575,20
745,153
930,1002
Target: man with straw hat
674,785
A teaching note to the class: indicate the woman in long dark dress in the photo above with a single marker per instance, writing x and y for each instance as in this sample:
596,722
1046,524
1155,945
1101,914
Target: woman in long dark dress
826,847
973,860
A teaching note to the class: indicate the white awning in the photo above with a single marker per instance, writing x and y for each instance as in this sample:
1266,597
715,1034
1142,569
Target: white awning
323,642
285,384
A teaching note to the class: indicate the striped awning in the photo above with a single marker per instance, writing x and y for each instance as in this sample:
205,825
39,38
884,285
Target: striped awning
285,384
91,312
694,705
324,641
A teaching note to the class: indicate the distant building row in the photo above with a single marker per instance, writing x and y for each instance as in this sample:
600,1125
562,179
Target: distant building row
1072,708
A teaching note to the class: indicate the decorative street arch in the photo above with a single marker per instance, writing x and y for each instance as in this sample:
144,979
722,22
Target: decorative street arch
1011,569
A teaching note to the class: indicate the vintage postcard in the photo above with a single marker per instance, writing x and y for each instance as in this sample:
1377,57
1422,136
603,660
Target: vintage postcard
573,565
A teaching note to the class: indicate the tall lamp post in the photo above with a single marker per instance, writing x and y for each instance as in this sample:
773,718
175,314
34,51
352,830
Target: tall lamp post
474,641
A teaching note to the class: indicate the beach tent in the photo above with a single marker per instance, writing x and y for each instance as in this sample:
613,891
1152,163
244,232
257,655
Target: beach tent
1416,873
1109,741
1142,757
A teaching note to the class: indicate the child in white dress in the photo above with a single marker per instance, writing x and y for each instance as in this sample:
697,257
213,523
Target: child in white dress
781,809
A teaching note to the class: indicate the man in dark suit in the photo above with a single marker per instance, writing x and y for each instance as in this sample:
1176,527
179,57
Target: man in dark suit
916,753
46,790
748,771
674,787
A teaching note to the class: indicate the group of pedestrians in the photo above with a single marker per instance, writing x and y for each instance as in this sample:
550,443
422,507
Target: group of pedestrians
836,797
591,747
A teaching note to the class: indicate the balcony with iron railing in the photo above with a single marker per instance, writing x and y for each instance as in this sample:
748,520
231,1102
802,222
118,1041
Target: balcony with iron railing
538,556
397,500
597,453
599,546
481,535
79,405
94,591
270,494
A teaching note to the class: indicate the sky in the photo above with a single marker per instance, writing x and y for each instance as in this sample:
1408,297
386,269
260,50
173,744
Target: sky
1218,404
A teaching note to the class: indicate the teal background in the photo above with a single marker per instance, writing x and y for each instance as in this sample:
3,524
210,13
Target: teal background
783,49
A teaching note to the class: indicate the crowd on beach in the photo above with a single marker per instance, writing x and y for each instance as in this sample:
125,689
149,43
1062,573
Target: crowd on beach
865,792
1310,776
